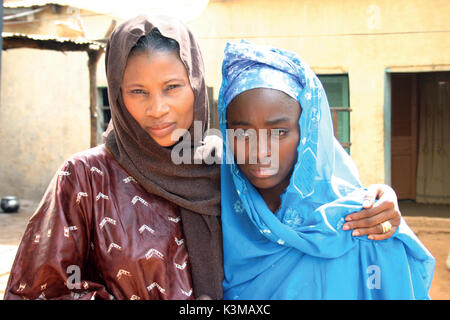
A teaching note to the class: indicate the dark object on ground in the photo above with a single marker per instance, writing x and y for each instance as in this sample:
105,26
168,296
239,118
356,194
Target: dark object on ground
10,204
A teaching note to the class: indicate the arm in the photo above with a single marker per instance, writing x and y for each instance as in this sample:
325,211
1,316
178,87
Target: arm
51,259
368,221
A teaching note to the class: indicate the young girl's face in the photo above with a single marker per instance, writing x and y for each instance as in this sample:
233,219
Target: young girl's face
157,93
276,112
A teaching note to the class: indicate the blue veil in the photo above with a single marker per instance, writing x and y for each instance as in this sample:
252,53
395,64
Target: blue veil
301,251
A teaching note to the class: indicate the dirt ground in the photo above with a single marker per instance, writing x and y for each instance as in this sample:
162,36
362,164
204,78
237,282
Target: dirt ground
433,230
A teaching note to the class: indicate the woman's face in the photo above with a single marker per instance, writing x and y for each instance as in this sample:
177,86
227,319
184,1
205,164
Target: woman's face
157,93
276,112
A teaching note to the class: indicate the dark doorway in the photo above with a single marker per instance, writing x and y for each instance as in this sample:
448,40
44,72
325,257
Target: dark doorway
420,122
404,140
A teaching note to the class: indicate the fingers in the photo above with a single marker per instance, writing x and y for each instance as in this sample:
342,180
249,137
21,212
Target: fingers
368,221
379,207
373,191
383,236
371,219
376,230
387,201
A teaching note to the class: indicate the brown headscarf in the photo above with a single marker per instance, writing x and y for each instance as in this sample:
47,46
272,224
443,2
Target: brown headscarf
194,188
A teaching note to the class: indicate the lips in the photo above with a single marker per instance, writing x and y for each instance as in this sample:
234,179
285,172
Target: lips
161,129
263,172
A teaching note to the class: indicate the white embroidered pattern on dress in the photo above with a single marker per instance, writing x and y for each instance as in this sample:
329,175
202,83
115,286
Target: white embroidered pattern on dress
94,169
129,179
123,272
146,227
137,198
81,194
176,220
154,284
153,252
101,195
105,220
114,245
186,293
42,297
181,267
179,242
68,229
22,287
85,285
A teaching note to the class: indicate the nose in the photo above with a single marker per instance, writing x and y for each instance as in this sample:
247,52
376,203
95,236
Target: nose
157,107
261,150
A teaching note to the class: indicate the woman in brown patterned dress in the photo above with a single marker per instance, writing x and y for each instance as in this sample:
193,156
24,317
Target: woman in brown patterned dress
121,220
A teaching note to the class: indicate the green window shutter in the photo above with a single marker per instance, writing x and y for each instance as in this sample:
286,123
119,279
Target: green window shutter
336,88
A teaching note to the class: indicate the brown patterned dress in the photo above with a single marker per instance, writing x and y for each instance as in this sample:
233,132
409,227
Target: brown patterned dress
97,234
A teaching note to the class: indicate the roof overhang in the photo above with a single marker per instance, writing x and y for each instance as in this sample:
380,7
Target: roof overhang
18,40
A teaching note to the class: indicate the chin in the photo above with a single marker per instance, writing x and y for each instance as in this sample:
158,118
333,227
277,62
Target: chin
266,183
165,142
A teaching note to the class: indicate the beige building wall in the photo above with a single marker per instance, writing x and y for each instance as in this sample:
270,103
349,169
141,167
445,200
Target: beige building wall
44,117
44,106
364,38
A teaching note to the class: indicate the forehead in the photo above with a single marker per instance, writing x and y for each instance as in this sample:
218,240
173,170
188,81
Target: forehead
263,103
153,63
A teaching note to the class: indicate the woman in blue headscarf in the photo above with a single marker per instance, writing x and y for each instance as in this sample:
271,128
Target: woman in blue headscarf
282,222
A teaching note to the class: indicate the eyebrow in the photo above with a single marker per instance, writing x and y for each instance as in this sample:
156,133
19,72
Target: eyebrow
165,82
277,120
173,79
239,123
134,85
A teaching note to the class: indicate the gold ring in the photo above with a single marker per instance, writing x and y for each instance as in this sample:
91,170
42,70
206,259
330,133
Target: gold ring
387,226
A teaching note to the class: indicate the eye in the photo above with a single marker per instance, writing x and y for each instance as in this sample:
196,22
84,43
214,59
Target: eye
172,86
279,132
138,91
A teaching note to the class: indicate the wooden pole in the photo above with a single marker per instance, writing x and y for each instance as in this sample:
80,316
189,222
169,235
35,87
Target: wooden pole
94,57
1,38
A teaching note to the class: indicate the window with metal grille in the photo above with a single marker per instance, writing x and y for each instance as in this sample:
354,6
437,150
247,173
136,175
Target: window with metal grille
336,88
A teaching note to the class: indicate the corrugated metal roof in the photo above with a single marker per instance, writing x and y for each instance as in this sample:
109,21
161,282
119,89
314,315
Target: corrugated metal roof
186,10
34,3
20,40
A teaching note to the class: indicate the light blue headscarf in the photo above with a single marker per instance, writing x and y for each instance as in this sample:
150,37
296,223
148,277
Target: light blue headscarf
301,252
